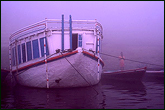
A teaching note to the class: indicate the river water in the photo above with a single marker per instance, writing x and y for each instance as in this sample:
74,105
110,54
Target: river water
108,94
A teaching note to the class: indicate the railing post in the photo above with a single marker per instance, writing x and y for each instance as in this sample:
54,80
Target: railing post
16,56
47,79
62,40
46,23
70,30
98,54
98,49
10,60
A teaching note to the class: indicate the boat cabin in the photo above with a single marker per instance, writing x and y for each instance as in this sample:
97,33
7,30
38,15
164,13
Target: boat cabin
27,44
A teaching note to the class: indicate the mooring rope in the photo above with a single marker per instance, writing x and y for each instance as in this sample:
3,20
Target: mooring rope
132,60
126,58
80,74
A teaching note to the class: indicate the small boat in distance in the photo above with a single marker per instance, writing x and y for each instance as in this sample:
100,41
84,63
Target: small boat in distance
57,53
126,75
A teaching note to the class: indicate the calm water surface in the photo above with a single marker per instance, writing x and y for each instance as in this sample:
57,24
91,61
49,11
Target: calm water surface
145,94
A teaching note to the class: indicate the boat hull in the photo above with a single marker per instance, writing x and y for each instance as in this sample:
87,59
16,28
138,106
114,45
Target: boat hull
127,75
61,74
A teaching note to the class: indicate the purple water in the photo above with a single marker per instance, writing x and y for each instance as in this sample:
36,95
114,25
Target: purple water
145,94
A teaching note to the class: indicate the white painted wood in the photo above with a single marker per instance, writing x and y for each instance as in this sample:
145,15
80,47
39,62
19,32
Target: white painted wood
61,69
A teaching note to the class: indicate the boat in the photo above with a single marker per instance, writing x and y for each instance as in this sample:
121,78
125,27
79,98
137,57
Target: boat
126,75
161,72
57,53
154,76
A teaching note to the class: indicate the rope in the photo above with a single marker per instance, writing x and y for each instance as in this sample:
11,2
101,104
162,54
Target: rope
73,67
132,60
80,74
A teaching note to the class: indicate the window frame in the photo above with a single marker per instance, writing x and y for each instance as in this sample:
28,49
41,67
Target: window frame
34,47
19,54
42,46
79,40
24,57
29,50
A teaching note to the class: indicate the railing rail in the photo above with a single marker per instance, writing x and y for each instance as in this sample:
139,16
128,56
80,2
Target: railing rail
20,30
44,24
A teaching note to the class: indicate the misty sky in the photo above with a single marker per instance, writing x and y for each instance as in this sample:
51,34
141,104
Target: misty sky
124,22
121,20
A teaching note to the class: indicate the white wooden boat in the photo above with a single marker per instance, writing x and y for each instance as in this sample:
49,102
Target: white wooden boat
57,53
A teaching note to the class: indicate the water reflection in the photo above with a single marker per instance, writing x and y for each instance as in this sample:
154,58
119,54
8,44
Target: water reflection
157,78
123,95
70,98
129,88
112,94
125,87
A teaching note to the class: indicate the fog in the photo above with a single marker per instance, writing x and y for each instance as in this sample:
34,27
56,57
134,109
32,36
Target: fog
128,26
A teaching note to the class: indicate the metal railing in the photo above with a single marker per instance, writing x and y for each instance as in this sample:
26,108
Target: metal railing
54,24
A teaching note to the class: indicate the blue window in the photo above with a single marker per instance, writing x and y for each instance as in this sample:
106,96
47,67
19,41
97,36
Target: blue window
35,49
80,40
29,50
13,57
42,46
23,53
19,54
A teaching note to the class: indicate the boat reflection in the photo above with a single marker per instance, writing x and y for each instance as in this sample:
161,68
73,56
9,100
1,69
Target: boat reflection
68,98
131,88
122,94
156,77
